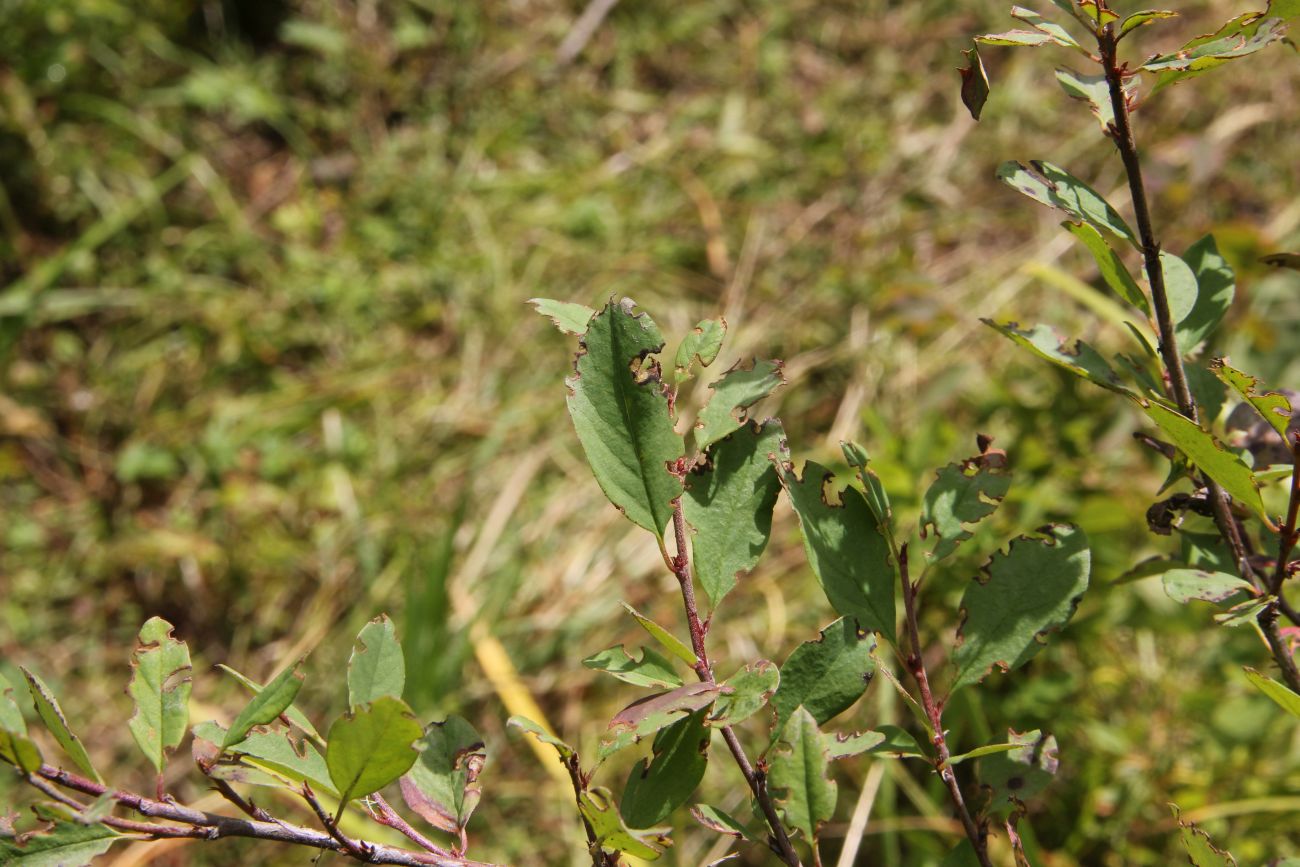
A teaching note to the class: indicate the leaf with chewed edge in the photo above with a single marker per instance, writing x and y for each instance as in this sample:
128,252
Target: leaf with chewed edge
1209,456
442,785
733,394
745,693
377,667
267,704
800,787
1021,596
658,786
1201,851
66,844
1019,774
568,317
1273,406
527,726
648,715
648,669
160,686
597,807
1082,360
701,345
826,676
963,494
371,746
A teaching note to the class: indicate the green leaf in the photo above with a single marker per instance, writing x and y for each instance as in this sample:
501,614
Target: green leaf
1208,454
1242,36
1019,774
442,785
1285,698
974,83
666,639
803,794
1274,407
1244,612
1208,392
295,716
888,741
874,492
719,821
745,693
272,751
845,549
267,704
981,752
1200,289
646,716
377,667
702,345
1017,38
1081,360
1053,186
658,787
623,419
160,687
1141,19
1098,12
371,746
11,718
66,844
47,707
963,494
1092,89
526,725
569,318
1112,269
729,501
1022,595
17,750
1184,585
1058,34
733,394
1201,852
649,669
597,807
825,677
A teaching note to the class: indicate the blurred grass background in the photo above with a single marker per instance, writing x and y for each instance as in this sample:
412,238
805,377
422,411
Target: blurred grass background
269,371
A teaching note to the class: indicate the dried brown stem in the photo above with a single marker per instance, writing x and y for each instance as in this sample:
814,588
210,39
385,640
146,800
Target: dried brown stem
977,835
756,778
1121,132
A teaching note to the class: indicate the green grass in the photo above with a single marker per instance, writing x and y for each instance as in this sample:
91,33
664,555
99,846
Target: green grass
269,369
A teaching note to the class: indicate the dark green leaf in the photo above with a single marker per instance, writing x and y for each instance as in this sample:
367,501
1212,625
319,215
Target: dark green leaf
1274,407
442,785
371,746
1285,698
623,418
658,787
733,394
646,716
962,494
160,688
702,345
597,807
377,667
745,693
1019,774
526,725
66,844
729,501
845,549
826,676
1184,585
1216,286
569,318
974,83
267,704
1053,186
1208,455
47,707
1110,266
803,794
1081,360
666,639
648,669
1021,596
1201,852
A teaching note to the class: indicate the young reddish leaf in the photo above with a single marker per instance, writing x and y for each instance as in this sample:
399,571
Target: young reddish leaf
442,785
701,345
370,747
733,394
649,669
1022,595
623,418
963,494
845,548
377,667
597,807
800,787
728,503
160,687
47,708
648,715
825,677
667,780
974,83
267,704
569,318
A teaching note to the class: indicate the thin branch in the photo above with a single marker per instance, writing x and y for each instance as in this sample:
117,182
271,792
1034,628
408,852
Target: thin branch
1121,132
214,826
1287,541
757,779
147,828
235,798
390,817
358,850
977,835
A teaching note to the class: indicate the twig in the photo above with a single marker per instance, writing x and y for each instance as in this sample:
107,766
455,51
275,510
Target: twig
360,851
147,828
757,779
1121,132
214,826
235,798
390,817
1289,536
916,664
